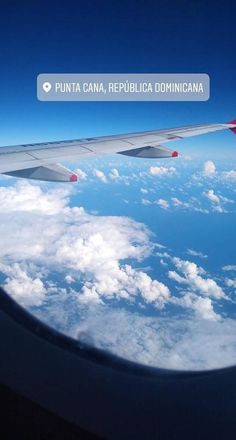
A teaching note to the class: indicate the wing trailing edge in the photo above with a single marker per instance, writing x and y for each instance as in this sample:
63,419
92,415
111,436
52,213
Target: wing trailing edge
49,173
150,152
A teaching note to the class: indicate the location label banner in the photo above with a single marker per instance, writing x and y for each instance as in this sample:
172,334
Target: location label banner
123,87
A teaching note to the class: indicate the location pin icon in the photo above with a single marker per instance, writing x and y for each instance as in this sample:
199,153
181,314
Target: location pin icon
47,86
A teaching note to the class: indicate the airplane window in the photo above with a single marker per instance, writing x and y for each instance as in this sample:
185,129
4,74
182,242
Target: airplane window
118,172
137,257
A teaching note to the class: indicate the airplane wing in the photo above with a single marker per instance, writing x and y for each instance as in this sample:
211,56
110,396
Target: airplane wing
40,160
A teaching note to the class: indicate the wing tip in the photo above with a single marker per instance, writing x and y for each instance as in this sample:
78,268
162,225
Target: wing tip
233,129
73,178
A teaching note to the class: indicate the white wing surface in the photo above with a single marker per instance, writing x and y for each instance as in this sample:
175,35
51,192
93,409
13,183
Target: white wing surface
40,161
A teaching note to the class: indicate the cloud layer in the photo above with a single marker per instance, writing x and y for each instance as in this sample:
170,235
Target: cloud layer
82,273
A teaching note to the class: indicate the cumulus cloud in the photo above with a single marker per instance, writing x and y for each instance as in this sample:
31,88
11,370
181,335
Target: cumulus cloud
230,175
217,200
176,201
209,168
161,171
219,208
97,259
193,276
125,282
100,175
143,190
26,197
229,267
212,196
202,306
152,291
163,255
230,283
192,205
114,174
145,202
27,290
69,279
226,199
90,248
162,203
179,203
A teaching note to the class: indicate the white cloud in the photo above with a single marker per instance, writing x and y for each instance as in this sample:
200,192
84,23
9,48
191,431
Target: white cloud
27,197
202,306
86,249
163,255
192,276
161,171
229,267
212,196
217,201
230,175
164,342
114,174
209,168
125,282
152,291
179,203
226,199
196,253
69,279
230,283
143,190
100,175
145,202
27,290
219,208
162,203
159,246
90,254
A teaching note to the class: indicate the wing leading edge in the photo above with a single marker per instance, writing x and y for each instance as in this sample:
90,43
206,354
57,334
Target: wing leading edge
40,160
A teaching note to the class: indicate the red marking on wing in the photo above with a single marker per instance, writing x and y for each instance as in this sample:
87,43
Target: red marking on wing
233,129
73,178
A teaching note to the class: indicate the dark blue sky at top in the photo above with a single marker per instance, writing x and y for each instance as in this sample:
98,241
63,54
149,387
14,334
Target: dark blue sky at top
106,36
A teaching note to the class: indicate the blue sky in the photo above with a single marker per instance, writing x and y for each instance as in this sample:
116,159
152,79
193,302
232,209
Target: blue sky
133,36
